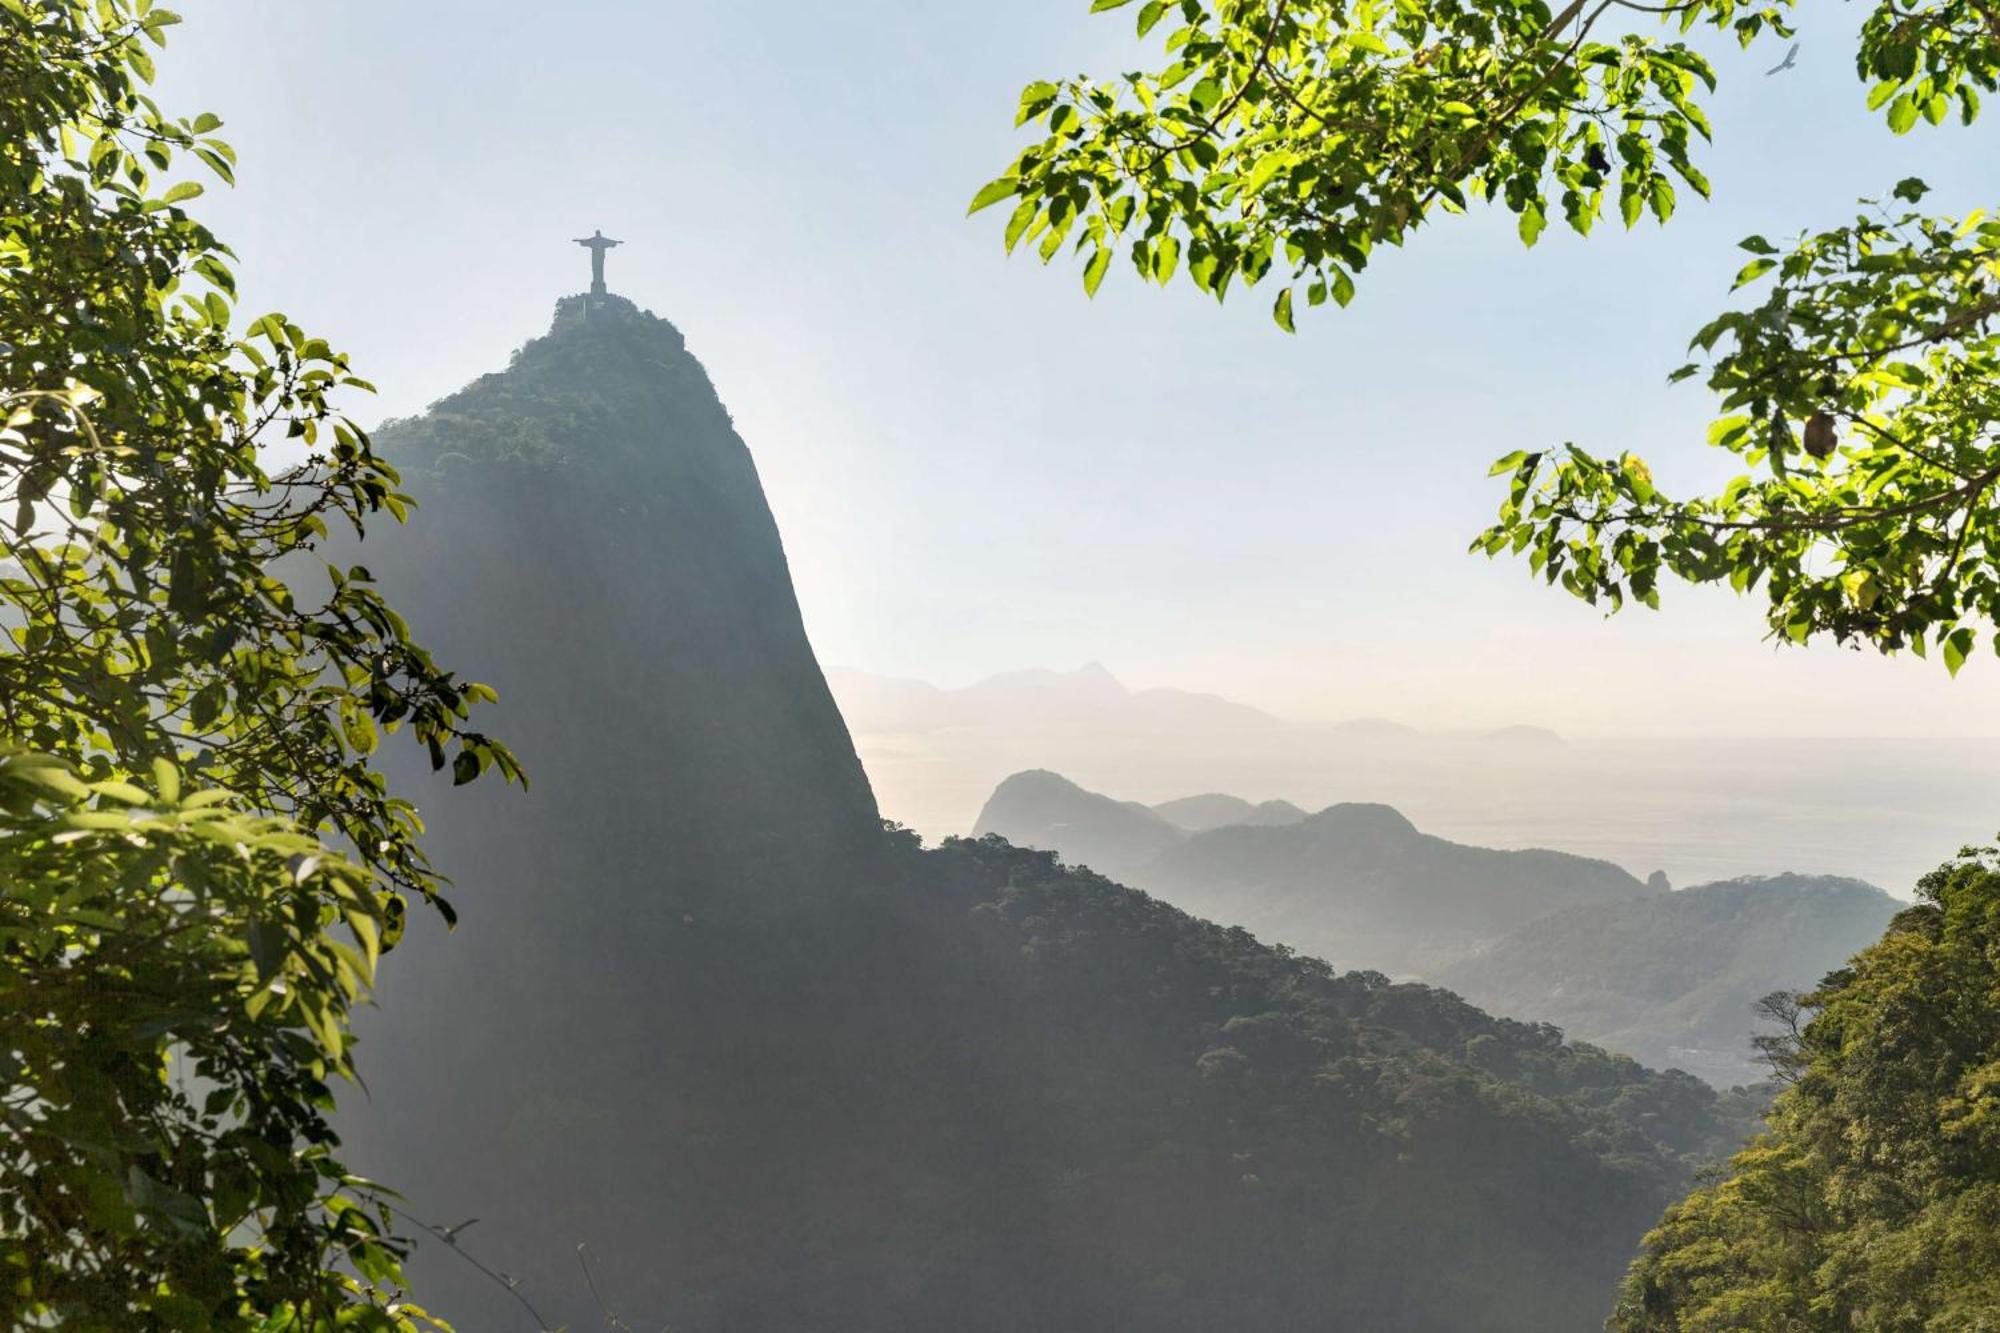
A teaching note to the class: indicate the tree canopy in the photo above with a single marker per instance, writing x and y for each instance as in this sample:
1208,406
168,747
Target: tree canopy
200,863
1283,141
1873,1202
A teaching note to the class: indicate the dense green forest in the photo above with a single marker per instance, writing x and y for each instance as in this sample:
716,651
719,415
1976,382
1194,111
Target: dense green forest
1874,1200
1675,979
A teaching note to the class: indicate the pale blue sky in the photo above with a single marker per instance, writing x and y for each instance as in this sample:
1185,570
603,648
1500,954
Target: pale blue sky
976,469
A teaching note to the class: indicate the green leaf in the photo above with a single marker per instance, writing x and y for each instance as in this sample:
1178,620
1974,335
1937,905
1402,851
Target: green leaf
1282,311
167,781
1019,223
1267,166
1035,99
266,943
1661,198
1006,187
1753,270
1533,223
1093,273
1957,647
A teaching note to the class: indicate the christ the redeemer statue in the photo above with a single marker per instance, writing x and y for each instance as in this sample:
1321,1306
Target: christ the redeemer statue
597,243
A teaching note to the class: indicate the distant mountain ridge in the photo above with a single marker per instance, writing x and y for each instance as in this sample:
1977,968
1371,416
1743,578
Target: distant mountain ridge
1699,808
1212,810
1034,697
1671,979
1355,884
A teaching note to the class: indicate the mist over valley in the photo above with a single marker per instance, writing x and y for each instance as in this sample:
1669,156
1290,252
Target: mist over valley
1698,808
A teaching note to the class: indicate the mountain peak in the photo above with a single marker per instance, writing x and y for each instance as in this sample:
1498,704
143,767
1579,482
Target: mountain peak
584,313
610,386
594,528
1365,817
1037,781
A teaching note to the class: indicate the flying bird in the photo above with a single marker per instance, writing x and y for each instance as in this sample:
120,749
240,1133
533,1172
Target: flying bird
449,1235
1791,59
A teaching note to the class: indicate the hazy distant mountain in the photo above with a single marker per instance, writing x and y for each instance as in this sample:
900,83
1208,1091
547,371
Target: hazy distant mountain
1199,814
1355,884
1360,886
1120,839
1699,808
1667,978
1091,830
1037,699
1670,978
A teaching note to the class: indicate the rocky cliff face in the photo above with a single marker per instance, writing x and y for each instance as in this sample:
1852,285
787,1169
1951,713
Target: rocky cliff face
593,542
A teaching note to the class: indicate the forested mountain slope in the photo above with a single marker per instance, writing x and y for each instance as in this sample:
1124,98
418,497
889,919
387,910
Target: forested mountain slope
1874,1201
1673,979
781,1070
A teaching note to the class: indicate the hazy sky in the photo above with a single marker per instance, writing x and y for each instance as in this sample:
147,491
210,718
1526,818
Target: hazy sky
975,469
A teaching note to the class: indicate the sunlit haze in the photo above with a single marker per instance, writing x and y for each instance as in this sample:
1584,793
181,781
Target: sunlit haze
878,791
976,470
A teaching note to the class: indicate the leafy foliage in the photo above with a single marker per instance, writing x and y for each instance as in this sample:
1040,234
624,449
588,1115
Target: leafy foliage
1302,134
202,1191
1874,1200
1353,1110
1864,391
140,520
1860,393
151,566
